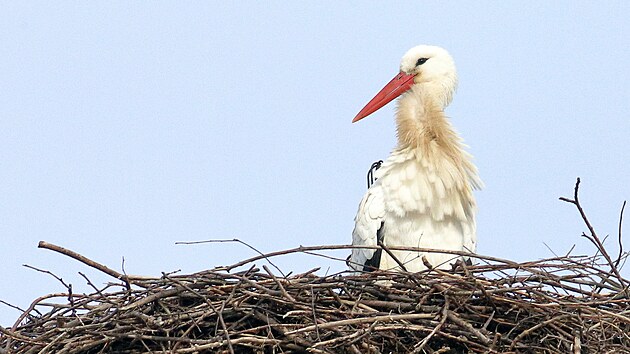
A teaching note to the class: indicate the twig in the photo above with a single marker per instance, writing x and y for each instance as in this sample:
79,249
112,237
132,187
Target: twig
453,317
387,318
594,238
391,254
237,241
133,279
18,336
218,313
315,322
530,330
68,287
12,306
426,339
282,289
303,249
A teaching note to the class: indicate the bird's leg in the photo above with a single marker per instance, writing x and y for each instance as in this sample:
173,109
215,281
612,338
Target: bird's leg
370,175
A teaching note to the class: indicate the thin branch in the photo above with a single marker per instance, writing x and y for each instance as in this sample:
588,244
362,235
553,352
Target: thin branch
133,279
211,305
12,306
68,287
426,339
282,289
594,238
391,254
233,240
304,249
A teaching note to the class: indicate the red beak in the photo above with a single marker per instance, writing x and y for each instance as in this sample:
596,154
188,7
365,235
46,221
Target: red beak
399,84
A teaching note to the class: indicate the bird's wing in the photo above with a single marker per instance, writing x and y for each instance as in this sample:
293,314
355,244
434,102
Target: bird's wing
368,221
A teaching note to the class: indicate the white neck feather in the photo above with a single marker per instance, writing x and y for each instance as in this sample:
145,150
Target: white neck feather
423,127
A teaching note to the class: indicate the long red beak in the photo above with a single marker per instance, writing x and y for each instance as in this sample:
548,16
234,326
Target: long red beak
399,84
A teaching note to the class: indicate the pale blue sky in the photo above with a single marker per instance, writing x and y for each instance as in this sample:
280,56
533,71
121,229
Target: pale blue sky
128,126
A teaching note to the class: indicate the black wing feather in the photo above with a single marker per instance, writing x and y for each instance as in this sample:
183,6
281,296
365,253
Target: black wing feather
374,263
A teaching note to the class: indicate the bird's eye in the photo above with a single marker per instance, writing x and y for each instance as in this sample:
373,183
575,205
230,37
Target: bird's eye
421,61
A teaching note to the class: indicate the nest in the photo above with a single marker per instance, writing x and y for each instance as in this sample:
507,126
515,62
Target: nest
565,304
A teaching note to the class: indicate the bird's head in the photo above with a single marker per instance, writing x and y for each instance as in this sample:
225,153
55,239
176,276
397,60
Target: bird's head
429,68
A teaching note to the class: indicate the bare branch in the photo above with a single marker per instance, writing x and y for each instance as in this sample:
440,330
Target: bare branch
91,263
595,239
233,240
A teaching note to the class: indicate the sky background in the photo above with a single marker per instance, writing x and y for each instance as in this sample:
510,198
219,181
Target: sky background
128,126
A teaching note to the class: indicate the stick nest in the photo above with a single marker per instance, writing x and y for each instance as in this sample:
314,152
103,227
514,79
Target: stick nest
560,305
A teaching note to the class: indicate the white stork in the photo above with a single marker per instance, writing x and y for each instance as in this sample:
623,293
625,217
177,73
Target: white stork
423,195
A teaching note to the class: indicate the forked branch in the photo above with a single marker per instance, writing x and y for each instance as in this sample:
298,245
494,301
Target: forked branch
595,240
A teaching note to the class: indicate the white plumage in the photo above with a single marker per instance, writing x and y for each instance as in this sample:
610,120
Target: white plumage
423,193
